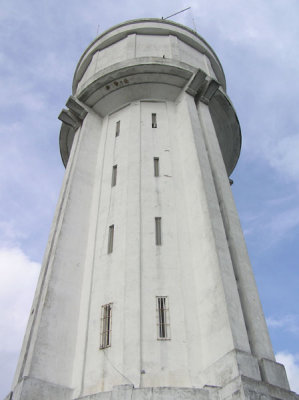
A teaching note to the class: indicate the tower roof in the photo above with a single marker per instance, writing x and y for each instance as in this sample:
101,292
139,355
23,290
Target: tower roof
148,26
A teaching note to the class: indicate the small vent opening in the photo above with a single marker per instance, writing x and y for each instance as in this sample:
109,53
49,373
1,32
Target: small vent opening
156,166
158,231
154,121
117,128
114,175
110,239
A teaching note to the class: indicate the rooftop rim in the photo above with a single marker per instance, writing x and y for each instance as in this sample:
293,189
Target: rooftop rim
136,21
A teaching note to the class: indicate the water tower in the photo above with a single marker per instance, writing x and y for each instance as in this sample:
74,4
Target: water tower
146,290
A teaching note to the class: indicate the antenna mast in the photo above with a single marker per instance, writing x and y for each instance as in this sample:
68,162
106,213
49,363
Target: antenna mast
179,12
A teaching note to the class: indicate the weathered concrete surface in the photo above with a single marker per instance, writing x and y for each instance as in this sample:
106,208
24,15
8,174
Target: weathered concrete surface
274,372
239,389
153,59
218,338
135,39
128,392
35,389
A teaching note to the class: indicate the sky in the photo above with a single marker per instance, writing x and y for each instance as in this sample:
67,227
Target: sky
257,44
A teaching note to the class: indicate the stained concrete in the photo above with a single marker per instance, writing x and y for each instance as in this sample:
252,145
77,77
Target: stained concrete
219,346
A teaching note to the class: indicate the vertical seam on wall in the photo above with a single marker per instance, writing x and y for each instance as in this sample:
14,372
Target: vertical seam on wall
180,263
135,45
96,55
188,214
140,245
125,231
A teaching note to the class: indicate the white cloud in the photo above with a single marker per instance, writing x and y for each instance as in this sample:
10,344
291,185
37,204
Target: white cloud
261,59
250,23
17,285
9,232
289,323
277,220
291,363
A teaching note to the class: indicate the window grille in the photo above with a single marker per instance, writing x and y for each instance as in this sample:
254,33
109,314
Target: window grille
117,128
158,231
163,324
156,166
154,120
114,175
110,238
106,326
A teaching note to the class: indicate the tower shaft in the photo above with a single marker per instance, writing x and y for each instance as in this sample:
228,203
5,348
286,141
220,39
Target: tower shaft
146,282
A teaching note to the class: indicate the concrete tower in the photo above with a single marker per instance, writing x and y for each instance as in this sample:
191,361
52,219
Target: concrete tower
146,289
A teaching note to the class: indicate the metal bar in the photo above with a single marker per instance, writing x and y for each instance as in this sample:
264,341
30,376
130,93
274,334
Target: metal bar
172,15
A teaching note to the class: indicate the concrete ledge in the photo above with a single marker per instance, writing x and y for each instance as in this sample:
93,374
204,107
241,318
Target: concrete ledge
69,118
230,366
76,107
274,373
132,72
197,83
71,121
128,392
208,90
249,389
66,138
239,388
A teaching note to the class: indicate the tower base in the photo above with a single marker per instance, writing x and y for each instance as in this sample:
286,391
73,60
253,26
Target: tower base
240,388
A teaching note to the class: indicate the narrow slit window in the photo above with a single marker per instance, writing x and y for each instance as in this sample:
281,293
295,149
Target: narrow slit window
154,120
156,166
110,238
106,326
163,325
158,231
114,175
117,128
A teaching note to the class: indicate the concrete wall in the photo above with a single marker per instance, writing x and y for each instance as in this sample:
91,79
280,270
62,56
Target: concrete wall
217,328
147,38
192,266
50,340
140,46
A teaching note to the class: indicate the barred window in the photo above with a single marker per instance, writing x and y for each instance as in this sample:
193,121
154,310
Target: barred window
156,166
110,238
114,175
117,128
158,231
106,326
163,325
154,120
